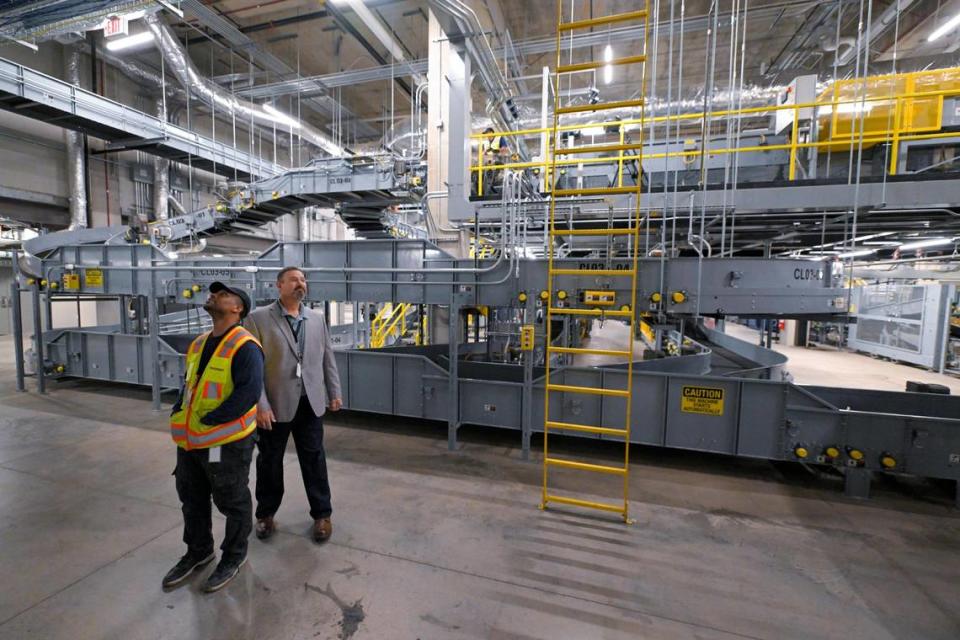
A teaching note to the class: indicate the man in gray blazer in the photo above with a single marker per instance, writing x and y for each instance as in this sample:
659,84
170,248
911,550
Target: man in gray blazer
300,382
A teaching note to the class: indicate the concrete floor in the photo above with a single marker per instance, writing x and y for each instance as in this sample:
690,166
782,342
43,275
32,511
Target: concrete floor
430,544
830,367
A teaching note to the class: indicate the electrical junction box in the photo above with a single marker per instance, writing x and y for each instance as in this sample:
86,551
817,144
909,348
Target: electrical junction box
802,90
526,337
601,298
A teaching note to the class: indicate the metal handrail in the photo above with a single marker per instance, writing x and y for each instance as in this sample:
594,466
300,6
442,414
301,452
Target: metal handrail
896,133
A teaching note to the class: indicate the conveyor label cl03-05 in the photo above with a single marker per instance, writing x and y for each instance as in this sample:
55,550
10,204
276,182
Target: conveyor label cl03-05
705,400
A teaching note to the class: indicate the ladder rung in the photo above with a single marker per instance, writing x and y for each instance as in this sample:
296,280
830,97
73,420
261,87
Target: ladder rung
603,506
598,191
600,106
598,148
569,426
572,311
592,22
626,231
586,66
588,351
591,272
585,466
596,391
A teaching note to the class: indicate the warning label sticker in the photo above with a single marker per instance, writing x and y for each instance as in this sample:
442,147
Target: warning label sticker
71,281
705,400
93,278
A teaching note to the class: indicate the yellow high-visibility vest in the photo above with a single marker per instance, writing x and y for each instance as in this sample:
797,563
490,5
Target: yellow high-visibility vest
206,394
493,145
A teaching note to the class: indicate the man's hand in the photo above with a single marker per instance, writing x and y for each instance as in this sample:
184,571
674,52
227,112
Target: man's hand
265,419
336,404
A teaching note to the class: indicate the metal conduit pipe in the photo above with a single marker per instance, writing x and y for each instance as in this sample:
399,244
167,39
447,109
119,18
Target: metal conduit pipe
76,162
215,96
176,205
161,175
486,65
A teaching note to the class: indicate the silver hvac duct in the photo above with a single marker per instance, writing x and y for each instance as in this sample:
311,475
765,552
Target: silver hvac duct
161,175
303,222
139,74
216,97
877,28
750,97
76,162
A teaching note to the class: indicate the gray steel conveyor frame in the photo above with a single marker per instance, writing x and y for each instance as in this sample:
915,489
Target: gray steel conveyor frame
761,419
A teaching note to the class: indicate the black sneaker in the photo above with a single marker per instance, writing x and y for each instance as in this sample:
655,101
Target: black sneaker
223,574
187,565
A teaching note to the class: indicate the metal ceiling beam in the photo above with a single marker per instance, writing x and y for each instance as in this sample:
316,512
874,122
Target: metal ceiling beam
227,30
522,48
349,28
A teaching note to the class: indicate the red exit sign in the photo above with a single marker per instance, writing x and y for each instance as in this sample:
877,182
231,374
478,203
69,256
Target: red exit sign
115,26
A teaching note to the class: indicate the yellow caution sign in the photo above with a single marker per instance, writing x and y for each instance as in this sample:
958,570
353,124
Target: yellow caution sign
705,400
93,278
71,281
526,337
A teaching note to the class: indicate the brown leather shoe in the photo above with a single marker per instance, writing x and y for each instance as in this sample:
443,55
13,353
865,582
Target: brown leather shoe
265,527
322,528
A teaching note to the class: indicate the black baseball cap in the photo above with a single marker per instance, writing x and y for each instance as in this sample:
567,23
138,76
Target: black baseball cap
218,286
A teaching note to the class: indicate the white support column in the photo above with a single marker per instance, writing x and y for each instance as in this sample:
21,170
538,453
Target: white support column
544,136
448,134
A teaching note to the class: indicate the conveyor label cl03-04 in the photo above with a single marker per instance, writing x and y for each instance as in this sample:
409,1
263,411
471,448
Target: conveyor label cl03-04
705,400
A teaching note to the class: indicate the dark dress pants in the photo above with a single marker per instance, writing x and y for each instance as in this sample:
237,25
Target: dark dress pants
307,430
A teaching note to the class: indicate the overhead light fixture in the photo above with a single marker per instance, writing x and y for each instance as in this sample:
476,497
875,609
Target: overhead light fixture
274,114
945,28
608,68
923,244
857,254
129,42
592,131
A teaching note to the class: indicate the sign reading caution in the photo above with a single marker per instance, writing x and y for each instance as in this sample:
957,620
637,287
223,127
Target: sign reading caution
705,400
93,278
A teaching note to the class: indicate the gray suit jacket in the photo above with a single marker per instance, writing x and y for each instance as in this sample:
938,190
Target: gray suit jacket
281,387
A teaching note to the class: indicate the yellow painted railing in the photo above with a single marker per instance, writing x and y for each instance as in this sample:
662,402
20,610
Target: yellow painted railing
847,120
390,320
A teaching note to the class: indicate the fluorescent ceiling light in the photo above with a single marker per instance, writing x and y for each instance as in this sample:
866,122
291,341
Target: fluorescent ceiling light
922,244
271,113
135,40
857,254
608,69
945,28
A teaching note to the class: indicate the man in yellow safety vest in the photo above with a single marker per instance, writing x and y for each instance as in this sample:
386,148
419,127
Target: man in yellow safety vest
494,151
214,423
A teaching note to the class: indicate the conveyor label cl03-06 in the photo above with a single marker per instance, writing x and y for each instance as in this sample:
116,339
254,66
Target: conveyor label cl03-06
705,400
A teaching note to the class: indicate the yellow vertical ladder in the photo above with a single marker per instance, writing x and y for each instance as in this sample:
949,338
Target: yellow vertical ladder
570,28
